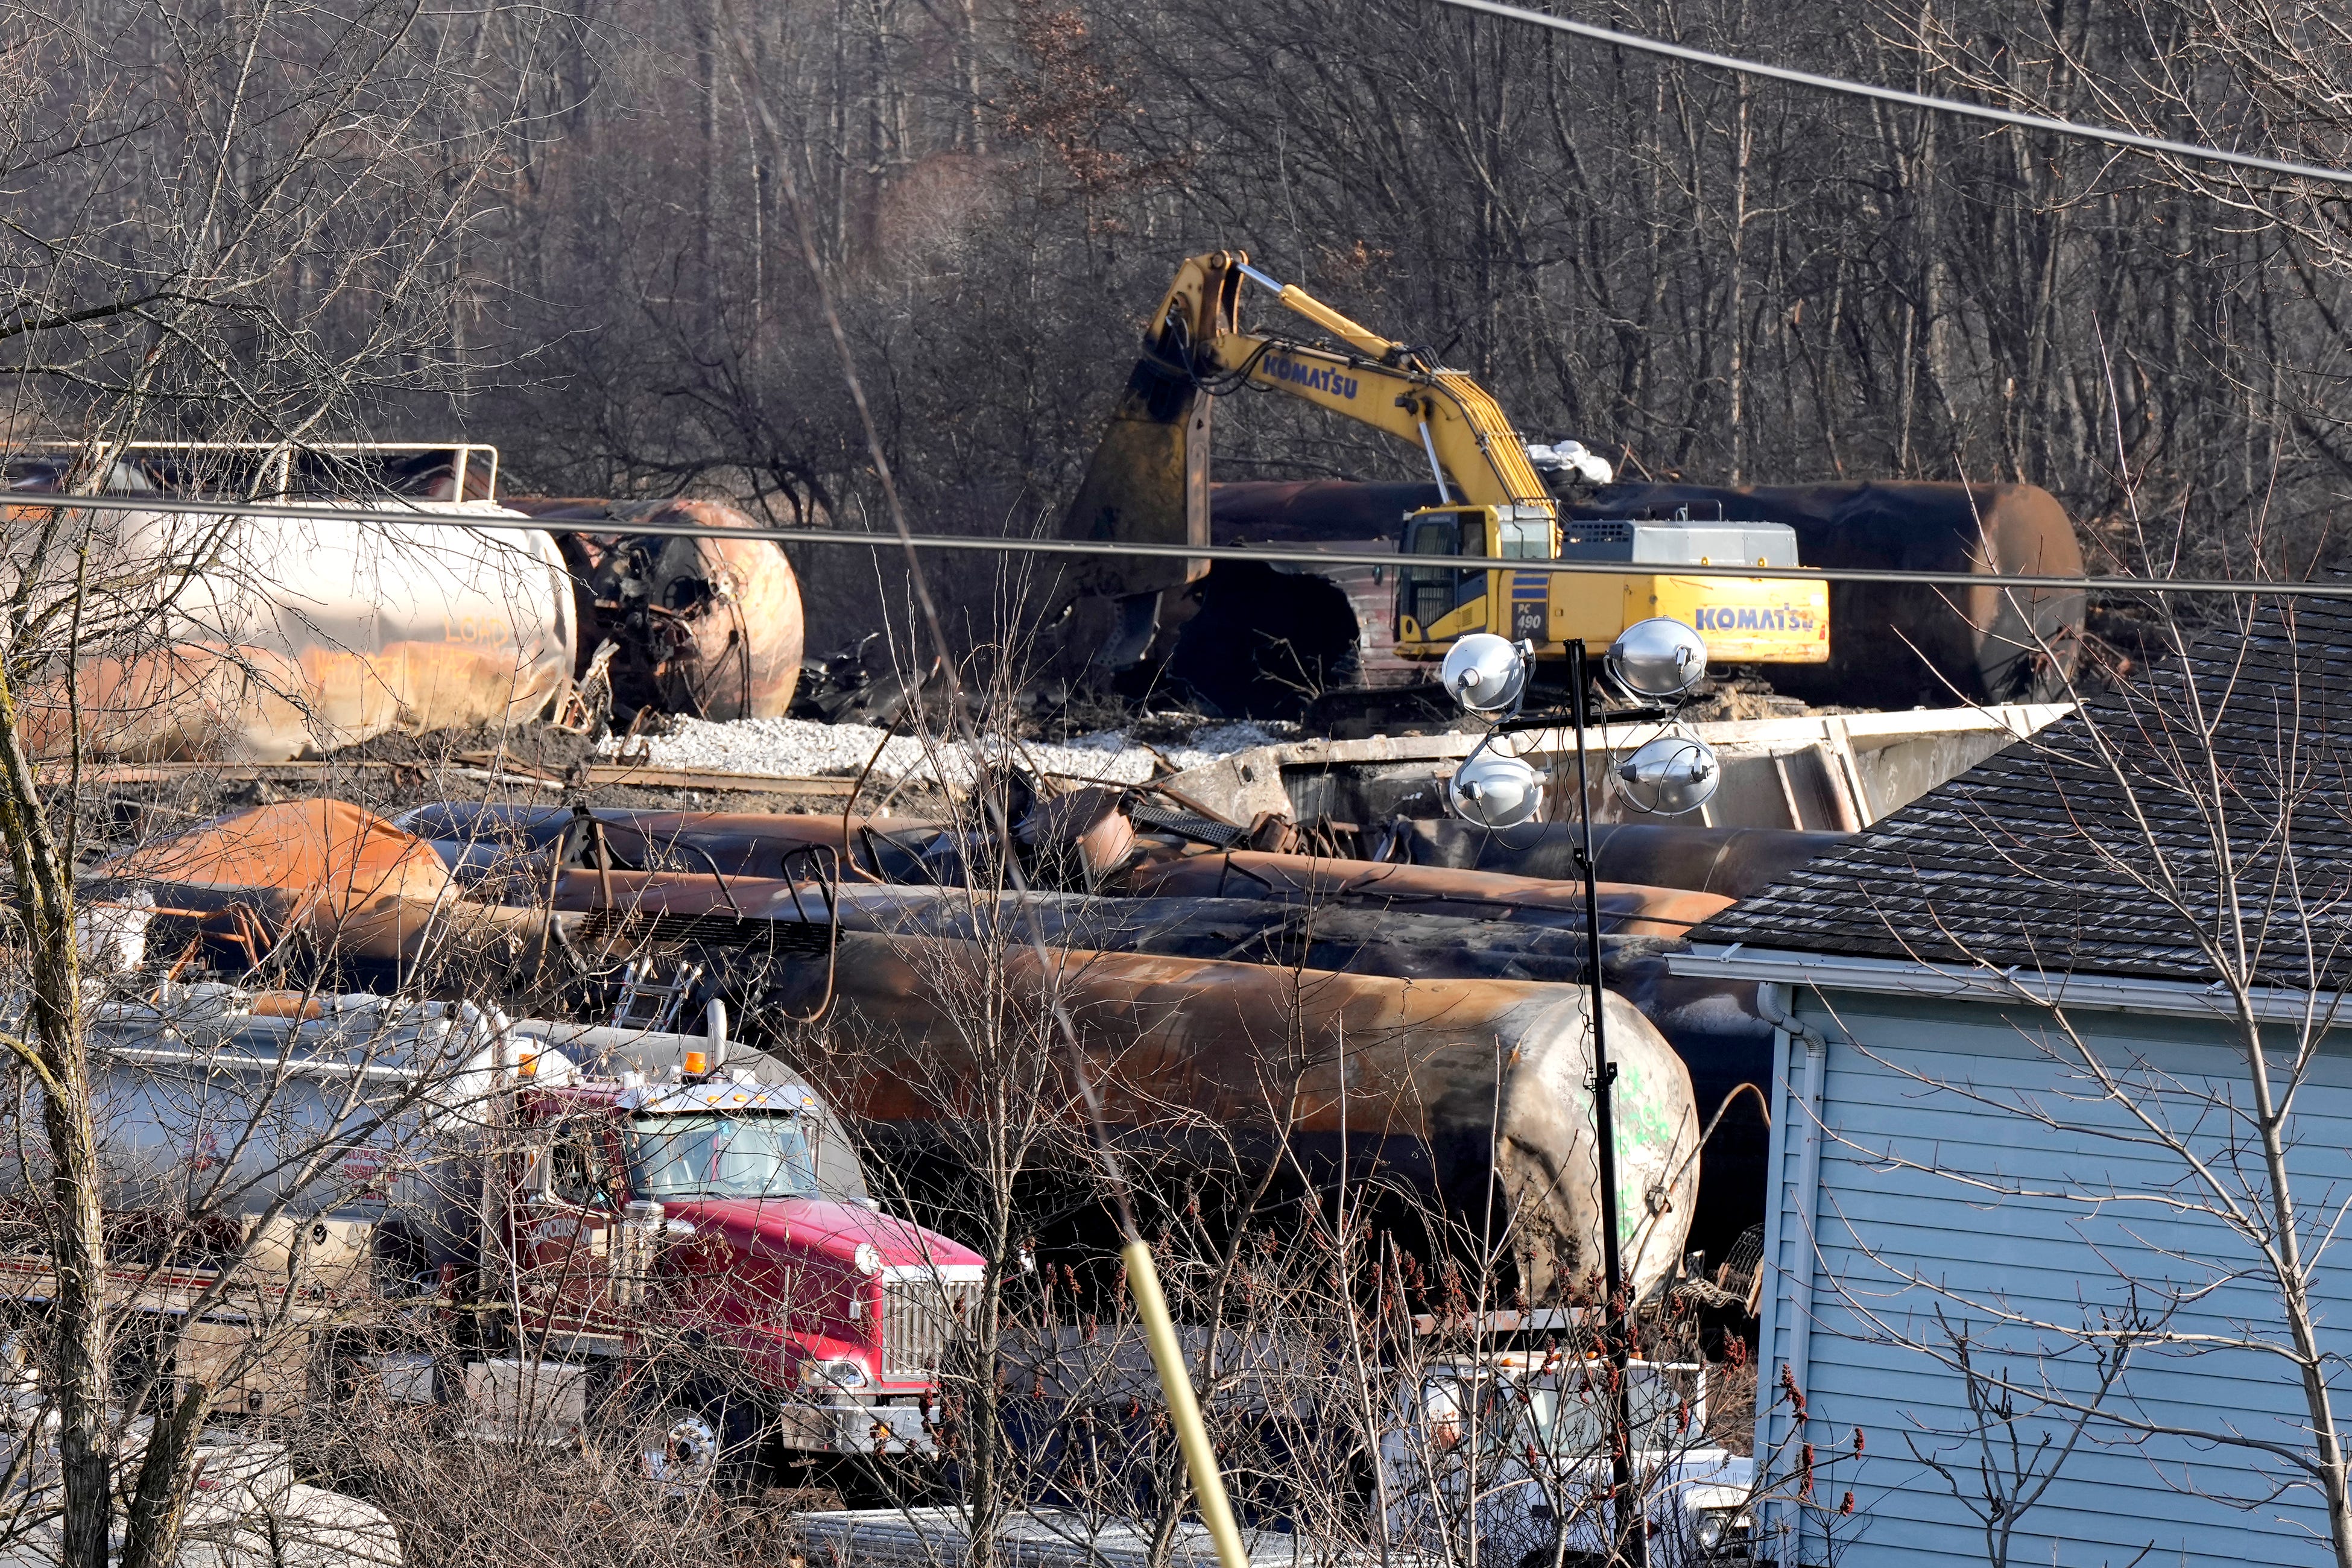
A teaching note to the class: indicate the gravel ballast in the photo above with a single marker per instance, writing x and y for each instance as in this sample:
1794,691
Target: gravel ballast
805,748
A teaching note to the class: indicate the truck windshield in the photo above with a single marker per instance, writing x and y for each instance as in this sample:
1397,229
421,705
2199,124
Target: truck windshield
699,1155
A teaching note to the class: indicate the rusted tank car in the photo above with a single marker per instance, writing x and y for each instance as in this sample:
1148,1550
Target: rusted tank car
1469,1091
707,626
474,837
1626,909
293,636
904,849
1729,863
319,889
1711,1027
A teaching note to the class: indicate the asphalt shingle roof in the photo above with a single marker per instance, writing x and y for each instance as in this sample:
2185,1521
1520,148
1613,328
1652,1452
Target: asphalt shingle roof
2097,847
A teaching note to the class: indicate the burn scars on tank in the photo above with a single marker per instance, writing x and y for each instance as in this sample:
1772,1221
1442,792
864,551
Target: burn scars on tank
285,637
1213,1059
1545,1161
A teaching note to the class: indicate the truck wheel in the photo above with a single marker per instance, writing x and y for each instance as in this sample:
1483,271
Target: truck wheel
680,1450
692,1446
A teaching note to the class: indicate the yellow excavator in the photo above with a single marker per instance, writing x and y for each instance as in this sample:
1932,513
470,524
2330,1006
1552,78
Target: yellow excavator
1149,482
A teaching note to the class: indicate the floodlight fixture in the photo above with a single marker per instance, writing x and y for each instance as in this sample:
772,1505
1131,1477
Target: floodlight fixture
1492,791
1484,673
1670,775
1659,659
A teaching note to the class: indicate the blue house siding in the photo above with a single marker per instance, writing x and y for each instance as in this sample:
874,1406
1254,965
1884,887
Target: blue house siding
1914,1183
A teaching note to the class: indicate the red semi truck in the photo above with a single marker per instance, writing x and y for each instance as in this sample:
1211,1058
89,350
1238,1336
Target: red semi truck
523,1220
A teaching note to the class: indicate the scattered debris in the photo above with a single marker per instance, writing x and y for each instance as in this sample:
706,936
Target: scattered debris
863,684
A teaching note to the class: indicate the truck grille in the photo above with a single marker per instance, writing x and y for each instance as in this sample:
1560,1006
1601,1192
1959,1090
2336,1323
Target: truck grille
920,1317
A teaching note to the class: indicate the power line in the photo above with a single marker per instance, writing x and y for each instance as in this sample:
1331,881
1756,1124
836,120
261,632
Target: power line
2114,138
413,514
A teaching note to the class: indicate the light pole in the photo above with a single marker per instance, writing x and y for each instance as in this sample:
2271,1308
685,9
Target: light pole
1660,660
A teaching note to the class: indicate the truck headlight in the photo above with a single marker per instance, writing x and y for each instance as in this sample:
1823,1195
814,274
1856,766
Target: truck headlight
845,1373
1719,1526
868,1258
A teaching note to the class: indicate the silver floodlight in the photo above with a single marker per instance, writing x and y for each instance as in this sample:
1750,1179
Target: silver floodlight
1491,789
1659,659
1670,775
1484,673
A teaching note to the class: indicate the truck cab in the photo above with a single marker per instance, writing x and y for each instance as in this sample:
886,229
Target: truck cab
714,1217
1444,602
444,1204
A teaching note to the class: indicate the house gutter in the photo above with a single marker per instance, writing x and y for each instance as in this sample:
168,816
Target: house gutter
2015,984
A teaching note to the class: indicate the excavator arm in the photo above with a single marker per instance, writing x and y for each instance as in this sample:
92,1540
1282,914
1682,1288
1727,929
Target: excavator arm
1473,451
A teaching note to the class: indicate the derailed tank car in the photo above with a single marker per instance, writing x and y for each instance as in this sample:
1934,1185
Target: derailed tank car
1469,1093
710,626
263,638
283,637
1895,645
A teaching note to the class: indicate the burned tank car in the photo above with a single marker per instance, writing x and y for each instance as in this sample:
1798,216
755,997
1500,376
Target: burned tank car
1462,1093
1730,862
711,626
1899,645
294,634
1712,1024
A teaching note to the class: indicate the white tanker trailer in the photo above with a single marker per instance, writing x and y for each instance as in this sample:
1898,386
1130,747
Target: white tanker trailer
461,1206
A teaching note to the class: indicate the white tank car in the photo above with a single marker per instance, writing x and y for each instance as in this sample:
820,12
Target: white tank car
287,636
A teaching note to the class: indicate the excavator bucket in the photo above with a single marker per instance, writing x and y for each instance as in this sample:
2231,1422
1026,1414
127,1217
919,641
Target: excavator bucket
1147,483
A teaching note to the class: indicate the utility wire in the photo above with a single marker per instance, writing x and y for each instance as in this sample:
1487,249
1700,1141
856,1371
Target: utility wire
2132,140
410,514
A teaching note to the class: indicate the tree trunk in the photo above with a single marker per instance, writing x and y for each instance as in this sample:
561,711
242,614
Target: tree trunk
56,1053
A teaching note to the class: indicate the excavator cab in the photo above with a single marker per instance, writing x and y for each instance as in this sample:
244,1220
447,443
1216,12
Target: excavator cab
1434,601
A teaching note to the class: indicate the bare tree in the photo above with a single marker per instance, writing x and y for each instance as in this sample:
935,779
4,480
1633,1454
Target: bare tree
226,224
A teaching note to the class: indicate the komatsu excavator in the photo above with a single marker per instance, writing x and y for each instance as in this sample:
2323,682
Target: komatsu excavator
1148,482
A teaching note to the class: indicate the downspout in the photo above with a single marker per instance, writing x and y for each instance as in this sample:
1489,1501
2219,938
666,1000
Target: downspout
1784,1520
